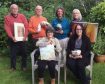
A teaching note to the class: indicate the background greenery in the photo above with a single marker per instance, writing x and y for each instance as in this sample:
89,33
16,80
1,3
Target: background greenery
92,11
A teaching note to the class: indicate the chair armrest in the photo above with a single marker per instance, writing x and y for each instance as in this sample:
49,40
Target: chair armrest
91,60
32,56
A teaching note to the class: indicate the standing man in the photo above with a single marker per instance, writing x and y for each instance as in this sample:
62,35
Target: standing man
36,26
16,46
62,29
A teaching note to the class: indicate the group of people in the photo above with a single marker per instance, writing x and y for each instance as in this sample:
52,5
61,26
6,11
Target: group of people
60,34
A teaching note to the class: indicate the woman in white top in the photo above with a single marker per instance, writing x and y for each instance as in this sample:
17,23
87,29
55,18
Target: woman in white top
49,40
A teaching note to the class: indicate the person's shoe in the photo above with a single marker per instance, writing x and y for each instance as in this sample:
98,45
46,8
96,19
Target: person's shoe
12,69
41,81
52,81
88,78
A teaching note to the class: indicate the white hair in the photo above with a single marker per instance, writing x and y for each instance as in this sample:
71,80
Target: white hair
78,11
38,6
13,6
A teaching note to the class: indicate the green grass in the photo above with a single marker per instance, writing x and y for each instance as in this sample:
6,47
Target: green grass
20,77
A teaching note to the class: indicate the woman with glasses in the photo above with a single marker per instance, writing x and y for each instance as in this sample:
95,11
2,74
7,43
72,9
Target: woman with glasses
78,53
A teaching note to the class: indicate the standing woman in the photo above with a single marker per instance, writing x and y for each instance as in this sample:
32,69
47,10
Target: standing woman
77,62
62,29
76,17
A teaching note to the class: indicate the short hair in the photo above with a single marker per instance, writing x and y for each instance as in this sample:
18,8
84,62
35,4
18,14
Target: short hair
38,6
13,5
61,9
50,30
77,10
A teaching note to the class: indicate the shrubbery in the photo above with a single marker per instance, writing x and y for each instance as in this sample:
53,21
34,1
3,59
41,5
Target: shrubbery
49,6
97,14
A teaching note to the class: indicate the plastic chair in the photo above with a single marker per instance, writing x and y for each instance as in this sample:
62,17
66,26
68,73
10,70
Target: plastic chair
89,67
35,66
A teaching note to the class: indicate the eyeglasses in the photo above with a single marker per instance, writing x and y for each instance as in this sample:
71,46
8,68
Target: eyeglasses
78,29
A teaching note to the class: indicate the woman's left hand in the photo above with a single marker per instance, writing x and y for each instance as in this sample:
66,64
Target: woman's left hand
78,57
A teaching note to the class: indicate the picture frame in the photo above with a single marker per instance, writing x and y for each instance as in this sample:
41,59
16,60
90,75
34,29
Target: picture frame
19,31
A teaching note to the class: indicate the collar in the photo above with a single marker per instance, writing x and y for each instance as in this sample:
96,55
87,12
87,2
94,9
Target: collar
60,20
14,15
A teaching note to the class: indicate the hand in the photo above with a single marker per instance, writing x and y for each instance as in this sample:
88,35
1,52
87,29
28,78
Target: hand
78,57
24,39
14,40
50,42
43,23
59,31
75,57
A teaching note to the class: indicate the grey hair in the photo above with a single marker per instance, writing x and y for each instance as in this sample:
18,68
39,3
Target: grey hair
77,10
13,5
38,6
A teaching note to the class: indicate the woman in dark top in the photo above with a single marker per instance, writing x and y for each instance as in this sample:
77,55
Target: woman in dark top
77,63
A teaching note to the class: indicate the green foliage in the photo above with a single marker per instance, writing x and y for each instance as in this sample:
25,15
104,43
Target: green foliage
3,12
97,13
99,46
49,8
20,77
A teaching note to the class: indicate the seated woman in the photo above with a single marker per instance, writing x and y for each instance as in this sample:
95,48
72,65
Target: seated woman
78,53
43,42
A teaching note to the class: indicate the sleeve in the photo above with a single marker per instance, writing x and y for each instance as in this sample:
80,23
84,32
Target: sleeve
67,27
41,43
57,46
86,51
53,24
26,26
69,45
7,27
31,29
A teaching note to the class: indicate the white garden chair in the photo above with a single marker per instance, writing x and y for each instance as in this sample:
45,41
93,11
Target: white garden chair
35,66
88,68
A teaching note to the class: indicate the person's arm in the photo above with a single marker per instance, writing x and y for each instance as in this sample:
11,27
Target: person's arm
69,45
86,51
26,26
41,43
66,26
7,28
57,46
31,28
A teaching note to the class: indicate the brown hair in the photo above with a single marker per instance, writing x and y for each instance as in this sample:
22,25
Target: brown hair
61,9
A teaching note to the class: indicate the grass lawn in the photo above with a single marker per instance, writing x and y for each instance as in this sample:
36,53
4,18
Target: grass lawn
20,77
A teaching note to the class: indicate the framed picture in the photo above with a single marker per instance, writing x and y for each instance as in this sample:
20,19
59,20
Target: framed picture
90,28
19,31
47,52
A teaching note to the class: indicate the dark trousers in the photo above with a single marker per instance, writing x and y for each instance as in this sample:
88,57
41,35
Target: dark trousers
42,66
77,66
17,48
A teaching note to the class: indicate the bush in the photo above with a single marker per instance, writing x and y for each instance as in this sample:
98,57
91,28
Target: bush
97,13
99,46
3,12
